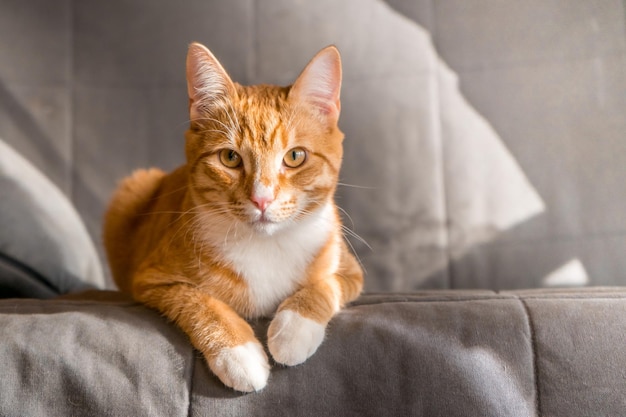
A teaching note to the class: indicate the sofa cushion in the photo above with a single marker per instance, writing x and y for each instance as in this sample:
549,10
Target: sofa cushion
45,249
435,353
91,358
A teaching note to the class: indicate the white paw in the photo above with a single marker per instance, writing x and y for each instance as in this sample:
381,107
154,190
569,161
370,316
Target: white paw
293,338
244,368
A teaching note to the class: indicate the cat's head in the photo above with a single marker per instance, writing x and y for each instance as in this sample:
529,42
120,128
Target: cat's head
263,156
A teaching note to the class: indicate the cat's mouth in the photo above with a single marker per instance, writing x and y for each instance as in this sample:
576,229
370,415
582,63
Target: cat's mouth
263,219
264,223
265,226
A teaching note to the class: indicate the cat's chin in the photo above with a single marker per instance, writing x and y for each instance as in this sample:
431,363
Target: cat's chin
265,227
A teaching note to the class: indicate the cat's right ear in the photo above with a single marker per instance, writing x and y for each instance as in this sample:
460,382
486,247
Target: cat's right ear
319,84
208,85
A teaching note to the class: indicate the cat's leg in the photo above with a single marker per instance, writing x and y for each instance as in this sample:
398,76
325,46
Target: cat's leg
226,340
299,325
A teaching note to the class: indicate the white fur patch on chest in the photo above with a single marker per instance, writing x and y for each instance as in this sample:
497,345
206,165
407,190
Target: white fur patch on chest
273,266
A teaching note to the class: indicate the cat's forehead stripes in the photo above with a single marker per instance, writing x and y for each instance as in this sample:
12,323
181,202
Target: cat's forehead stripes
264,118
261,129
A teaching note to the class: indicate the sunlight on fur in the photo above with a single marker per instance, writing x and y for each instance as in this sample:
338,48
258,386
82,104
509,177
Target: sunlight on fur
248,226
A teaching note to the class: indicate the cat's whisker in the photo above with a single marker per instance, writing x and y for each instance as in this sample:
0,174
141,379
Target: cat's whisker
228,130
250,235
174,191
196,210
346,214
227,233
353,234
345,229
356,255
234,122
217,131
363,187
194,220
290,118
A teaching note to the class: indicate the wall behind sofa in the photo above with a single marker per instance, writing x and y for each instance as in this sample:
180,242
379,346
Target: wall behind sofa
485,142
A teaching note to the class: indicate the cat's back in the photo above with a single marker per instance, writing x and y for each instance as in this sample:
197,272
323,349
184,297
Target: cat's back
133,206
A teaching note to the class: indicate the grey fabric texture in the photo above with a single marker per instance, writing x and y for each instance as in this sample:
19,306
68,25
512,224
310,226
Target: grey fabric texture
45,249
450,353
116,358
572,357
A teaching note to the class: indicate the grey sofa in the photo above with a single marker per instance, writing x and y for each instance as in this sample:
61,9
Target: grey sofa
441,353
484,166
422,353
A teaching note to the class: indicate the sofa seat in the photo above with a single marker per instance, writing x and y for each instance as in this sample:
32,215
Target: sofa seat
431,353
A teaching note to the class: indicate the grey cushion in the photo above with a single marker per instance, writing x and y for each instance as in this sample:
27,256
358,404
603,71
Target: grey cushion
44,247
449,353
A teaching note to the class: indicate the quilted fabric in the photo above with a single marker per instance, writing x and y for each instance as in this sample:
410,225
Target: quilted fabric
451,353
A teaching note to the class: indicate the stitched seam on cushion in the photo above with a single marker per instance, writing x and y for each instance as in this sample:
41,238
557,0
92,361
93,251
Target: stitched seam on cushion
582,297
358,303
533,348
578,297
192,372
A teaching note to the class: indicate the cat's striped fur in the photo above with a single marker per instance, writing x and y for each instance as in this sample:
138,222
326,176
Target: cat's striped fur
248,226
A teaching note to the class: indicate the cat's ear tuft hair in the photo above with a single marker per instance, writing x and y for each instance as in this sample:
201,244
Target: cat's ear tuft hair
319,84
208,84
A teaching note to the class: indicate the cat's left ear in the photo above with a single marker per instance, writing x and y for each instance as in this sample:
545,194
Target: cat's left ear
208,84
319,84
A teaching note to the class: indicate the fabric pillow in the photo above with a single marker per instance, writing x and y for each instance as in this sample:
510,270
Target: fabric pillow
45,249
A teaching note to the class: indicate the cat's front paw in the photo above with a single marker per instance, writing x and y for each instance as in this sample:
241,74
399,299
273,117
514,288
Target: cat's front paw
244,368
293,338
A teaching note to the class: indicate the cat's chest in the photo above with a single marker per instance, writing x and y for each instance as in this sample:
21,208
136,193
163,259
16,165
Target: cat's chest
274,266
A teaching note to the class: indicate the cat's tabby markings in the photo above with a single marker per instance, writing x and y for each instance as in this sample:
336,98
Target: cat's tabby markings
248,226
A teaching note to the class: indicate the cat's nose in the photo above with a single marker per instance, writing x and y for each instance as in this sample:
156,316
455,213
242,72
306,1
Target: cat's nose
261,202
262,196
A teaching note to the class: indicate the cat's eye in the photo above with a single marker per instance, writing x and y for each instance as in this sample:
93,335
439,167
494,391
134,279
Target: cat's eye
295,157
230,158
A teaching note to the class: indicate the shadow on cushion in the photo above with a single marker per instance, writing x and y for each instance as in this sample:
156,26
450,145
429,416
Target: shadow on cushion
45,249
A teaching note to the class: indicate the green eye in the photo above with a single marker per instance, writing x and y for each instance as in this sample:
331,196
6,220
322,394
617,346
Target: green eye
295,157
230,158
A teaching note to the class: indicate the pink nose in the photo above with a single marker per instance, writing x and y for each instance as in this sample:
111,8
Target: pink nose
262,202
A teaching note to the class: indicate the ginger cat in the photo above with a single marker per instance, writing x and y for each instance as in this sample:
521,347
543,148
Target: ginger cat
248,226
